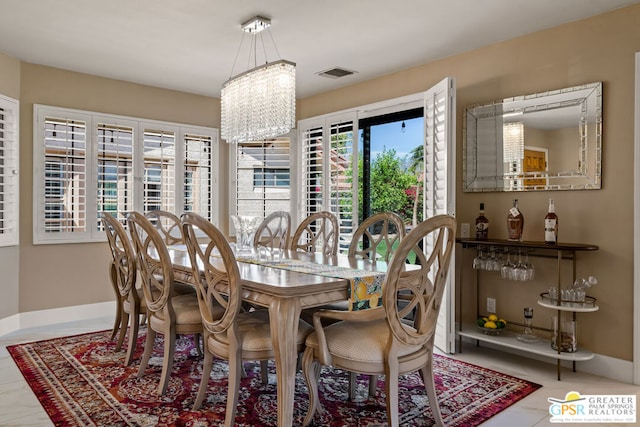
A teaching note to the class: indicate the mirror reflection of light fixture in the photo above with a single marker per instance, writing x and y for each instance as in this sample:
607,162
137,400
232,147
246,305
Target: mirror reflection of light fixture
259,103
513,138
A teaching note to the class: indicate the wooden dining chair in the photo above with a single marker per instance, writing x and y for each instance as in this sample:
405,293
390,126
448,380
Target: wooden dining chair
319,232
377,341
235,335
132,307
169,313
168,225
274,231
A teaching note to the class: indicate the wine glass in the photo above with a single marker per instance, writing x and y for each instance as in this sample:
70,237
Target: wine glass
531,269
479,262
527,335
507,268
520,270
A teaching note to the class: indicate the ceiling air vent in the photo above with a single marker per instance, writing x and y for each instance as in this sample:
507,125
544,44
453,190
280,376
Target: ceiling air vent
336,73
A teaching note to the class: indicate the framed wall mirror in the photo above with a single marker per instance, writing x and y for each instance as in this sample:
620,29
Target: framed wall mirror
543,141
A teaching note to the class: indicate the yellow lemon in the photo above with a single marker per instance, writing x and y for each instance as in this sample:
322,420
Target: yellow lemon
493,317
490,325
361,292
373,302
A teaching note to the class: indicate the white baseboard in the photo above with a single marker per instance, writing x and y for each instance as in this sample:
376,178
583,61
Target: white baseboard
34,319
601,365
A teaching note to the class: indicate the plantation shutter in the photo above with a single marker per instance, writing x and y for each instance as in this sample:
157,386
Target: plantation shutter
199,187
62,197
263,177
327,180
341,183
439,187
159,172
9,182
115,170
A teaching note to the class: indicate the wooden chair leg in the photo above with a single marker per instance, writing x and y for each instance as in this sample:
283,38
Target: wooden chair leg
133,339
207,364
391,388
148,349
123,330
264,371
429,384
167,361
353,380
311,372
117,325
235,368
373,385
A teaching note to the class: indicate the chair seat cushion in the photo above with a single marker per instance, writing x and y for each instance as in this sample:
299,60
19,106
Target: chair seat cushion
359,341
186,309
255,331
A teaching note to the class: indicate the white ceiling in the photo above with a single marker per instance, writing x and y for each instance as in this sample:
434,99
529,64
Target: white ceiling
190,45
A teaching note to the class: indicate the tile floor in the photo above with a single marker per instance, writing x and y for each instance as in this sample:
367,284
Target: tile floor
19,407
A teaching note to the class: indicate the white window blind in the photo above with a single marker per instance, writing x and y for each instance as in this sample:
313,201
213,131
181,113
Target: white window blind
88,163
65,164
198,177
328,180
159,170
9,182
115,170
262,177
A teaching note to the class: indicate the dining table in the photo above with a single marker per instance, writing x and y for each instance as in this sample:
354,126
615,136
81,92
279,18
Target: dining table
270,281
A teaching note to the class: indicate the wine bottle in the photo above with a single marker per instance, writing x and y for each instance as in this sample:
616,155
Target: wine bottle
482,225
515,223
551,225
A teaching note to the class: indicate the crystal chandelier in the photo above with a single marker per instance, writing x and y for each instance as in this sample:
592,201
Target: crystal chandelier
513,137
259,103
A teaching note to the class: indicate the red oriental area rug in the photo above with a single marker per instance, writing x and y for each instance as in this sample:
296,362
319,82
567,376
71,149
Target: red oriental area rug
80,381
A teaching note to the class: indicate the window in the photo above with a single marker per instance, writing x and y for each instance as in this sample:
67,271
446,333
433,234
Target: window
9,183
88,163
262,183
328,182
271,177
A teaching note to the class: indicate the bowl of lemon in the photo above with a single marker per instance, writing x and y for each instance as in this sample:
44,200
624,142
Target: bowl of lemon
491,324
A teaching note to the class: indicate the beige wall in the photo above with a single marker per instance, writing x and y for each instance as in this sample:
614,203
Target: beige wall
65,275
597,49
9,256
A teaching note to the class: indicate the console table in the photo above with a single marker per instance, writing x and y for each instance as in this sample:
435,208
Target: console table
561,251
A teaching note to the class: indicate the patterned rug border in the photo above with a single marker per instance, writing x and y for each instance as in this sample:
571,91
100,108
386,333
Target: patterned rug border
457,406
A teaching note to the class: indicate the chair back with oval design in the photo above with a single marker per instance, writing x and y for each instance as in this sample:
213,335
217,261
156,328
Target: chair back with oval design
421,289
154,261
380,232
124,259
319,232
168,225
274,231
215,265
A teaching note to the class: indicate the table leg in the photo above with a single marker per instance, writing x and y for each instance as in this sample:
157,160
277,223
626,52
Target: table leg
284,315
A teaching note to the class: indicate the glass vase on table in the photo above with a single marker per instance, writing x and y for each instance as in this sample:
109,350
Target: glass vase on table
245,227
